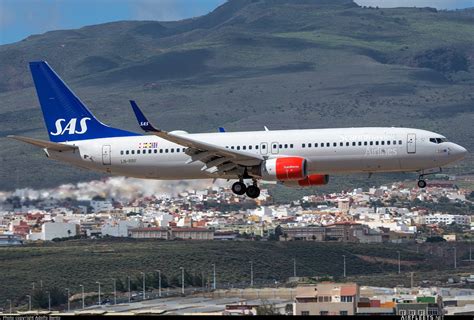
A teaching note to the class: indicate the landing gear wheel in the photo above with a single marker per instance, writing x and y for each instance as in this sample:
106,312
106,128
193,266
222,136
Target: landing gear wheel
421,183
239,188
253,192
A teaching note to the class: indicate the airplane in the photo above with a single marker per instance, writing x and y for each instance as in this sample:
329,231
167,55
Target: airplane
294,158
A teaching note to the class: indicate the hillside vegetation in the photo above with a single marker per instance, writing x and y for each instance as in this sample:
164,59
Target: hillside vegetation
249,63
71,263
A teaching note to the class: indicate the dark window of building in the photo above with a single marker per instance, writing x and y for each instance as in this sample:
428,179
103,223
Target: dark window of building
305,313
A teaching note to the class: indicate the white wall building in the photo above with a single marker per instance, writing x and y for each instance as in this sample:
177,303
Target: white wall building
118,228
439,218
52,230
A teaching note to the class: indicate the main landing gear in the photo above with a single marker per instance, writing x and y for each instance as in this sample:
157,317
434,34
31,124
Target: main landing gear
252,191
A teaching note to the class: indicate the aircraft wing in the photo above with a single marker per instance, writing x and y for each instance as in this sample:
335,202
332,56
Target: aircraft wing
217,159
44,144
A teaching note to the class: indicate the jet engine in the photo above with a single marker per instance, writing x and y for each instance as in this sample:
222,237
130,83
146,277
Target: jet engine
283,169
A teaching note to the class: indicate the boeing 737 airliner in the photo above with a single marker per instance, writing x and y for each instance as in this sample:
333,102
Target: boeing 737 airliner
298,158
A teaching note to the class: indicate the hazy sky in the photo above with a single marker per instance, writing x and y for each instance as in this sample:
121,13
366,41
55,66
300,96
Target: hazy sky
21,18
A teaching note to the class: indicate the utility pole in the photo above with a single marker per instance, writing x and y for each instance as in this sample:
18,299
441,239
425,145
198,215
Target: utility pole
411,282
29,302
455,258
159,282
33,284
115,291
143,274
182,280
49,301
10,301
398,262
68,301
470,252
214,276
98,282
129,291
251,273
294,267
344,256
41,284
83,297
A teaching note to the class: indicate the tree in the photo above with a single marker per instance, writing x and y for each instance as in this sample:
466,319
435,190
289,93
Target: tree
58,296
266,309
39,299
119,285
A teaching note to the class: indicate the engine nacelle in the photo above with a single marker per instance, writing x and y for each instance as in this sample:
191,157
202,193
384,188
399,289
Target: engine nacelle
309,181
284,169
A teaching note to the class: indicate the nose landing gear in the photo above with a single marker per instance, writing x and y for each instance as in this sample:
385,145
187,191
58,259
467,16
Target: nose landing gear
252,191
421,183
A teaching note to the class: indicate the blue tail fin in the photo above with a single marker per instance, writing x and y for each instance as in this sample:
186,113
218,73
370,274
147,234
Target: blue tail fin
66,117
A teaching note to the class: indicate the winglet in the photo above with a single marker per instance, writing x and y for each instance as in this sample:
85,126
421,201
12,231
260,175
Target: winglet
142,120
221,129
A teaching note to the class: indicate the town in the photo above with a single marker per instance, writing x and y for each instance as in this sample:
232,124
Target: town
116,207
120,208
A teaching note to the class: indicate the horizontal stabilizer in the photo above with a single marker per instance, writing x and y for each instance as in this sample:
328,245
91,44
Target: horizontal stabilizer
44,144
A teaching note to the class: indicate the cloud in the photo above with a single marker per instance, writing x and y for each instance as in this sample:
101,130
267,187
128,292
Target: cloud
439,4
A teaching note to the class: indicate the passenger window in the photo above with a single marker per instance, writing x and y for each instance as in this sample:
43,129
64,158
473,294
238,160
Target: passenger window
316,145
328,144
149,151
232,147
360,143
166,150
388,142
161,150
303,145
341,144
382,142
264,146
172,150
347,144
371,143
394,142
256,147
309,145
138,151
155,151
291,145
250,147
244,147
286,146
133,151
399,141
322,145
281,146
334,144
238,147
353,144
365,143
121,153
376,143
127,152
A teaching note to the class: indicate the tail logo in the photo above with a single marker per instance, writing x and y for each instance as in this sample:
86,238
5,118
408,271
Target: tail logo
70,127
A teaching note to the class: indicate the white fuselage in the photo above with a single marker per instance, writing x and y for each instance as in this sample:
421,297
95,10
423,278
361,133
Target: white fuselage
327,151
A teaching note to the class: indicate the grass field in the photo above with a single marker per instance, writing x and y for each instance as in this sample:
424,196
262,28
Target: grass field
69,264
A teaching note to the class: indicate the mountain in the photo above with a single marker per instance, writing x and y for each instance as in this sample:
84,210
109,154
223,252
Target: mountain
249,63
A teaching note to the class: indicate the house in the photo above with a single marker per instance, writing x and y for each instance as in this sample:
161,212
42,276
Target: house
149,233
326,298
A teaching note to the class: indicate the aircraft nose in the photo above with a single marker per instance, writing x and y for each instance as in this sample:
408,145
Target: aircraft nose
460,151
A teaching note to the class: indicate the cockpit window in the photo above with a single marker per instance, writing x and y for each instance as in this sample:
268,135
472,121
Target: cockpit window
438,140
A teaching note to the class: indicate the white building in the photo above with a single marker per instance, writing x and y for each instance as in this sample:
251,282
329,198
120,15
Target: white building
446,219
118,228
52,230
101,205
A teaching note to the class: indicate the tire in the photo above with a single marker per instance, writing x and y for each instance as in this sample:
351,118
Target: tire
253,192
239,188
421,184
